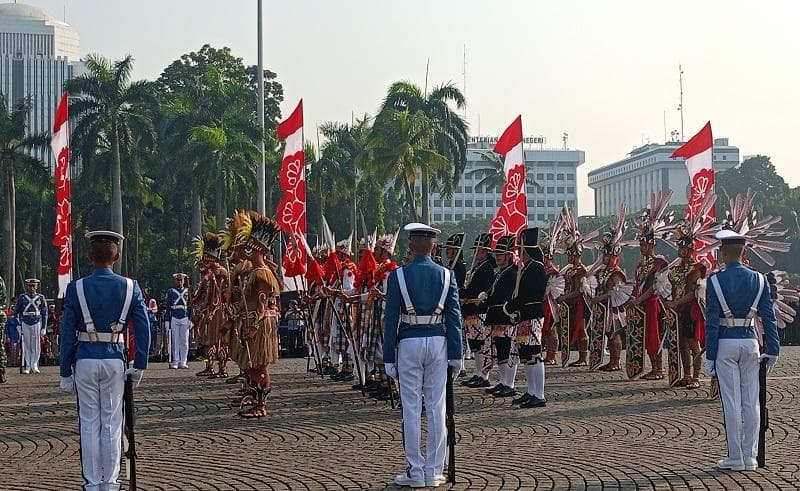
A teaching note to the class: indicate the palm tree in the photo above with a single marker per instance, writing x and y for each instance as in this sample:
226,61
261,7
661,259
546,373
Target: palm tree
16,161
400,148
494,174
110,112
450,134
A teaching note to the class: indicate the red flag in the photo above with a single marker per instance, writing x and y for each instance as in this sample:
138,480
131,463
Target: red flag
512,216
698,152
62,233
291,215
314,273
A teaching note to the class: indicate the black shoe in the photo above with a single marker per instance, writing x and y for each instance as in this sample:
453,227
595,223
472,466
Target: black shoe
336,376
496,388
329,371
520,400
2,374
348,377
481,383
466,383
506,392
533,402
357,387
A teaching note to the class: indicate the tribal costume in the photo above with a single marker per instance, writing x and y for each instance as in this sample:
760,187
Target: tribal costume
240,271
553,290
207,301
479,279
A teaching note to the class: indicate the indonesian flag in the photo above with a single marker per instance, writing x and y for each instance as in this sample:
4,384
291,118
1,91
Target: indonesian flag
698,154
292,208
512,216
62,234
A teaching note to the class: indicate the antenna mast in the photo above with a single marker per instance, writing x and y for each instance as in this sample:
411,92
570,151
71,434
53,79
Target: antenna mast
465,80
680,105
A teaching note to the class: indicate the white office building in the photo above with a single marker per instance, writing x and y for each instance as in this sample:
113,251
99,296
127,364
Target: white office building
553,169
38,53
647,170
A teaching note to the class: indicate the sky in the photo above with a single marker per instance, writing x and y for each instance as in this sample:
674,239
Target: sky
605,72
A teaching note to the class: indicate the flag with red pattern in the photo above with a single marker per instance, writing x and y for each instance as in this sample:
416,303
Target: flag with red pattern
62,233
512,216
291,215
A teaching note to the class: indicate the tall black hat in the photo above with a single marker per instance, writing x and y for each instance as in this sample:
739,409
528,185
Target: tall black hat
455,241
505,244
483,241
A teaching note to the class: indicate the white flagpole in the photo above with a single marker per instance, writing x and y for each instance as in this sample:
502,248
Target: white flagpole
261,173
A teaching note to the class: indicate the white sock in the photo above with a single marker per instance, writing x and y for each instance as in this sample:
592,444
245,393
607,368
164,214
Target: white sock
511,374
529,376
479,365
502,377
537,379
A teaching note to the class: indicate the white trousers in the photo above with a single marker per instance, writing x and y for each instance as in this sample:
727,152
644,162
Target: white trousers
33,345
99,385
422,371
179,338
737,373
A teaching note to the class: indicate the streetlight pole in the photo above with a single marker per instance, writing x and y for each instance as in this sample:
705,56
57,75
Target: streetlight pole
261,199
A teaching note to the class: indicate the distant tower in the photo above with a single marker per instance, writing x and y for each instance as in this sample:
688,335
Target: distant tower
38,54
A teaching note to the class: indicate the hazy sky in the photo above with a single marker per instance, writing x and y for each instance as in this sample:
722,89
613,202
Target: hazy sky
603,71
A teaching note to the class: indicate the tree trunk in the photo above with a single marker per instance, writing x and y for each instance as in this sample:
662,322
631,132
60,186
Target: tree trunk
219,211
36,248
9,231
116,192
197,223
136,220
426,213
412,201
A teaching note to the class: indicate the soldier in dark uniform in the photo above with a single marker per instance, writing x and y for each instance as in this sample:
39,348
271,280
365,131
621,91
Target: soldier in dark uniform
526,311
2,331
479,279
455,258
502,330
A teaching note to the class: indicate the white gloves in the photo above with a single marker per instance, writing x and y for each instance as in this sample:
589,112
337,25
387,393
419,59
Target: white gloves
482,296
42,332
711,368
771,361
67,384
457,366
391,370
135,374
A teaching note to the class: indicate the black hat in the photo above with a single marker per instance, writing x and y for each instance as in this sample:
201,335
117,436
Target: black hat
483,241
505,244
529,238
455,241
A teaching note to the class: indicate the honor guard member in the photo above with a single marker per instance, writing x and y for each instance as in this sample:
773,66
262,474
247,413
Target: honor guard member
526,311
422,337
502,329
3,300
479,279
95,313
734,298
31,313
455,259
178,317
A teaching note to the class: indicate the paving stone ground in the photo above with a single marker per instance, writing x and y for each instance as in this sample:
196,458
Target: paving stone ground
598,431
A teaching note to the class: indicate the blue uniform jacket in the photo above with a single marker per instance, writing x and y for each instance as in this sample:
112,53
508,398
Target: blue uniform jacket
172,296
105,296
739,286
424,282
22,306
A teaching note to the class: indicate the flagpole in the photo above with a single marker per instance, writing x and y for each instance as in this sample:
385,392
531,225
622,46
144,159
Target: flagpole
261,173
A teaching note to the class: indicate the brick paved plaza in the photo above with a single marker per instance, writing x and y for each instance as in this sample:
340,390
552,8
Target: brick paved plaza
597,432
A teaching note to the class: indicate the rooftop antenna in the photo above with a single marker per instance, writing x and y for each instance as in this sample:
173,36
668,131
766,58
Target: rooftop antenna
680,105
464,72
427,68
665,126
564,138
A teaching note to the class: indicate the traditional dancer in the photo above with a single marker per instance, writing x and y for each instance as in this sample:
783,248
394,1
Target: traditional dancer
502,329
555,288
525,309
260,326
579,288
479,279
644,312
342,325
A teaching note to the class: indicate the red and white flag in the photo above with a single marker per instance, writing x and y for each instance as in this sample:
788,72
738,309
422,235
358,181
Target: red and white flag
62,234
512,216
698,154
291,214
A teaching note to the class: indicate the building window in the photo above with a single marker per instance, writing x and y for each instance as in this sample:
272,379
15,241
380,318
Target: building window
448,216
459,217
540,176
479,203
478,189
570,190
540,203
551,189
560,177
551,203
531,203
540,217
724,157
459,203
571,203
467,215
550,177
468,203
460,189
448,203
570,177
437,202
498,202
468,189
437,217
560,190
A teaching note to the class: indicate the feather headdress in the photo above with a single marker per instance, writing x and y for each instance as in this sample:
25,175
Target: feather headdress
697,228
572,239
207,246
611,241
742,218
230,236
783,295
552,242
388,242
653,223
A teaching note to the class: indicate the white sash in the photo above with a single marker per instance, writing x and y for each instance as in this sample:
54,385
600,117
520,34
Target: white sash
116,327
